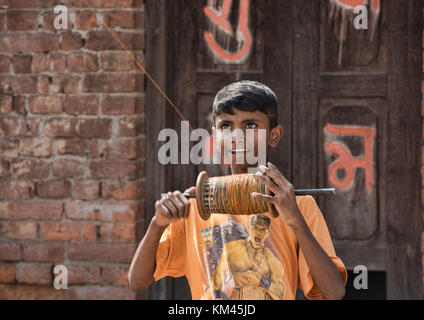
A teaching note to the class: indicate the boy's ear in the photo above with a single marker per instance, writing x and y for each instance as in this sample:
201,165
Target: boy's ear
275,135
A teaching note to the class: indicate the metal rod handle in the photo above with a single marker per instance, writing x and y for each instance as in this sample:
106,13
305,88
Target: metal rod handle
298,192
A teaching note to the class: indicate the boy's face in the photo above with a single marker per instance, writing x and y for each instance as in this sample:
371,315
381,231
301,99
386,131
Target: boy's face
226,137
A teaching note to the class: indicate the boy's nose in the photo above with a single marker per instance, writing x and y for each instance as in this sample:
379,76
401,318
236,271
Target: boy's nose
237,135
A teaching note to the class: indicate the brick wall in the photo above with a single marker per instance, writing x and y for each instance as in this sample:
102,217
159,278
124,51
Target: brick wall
72,148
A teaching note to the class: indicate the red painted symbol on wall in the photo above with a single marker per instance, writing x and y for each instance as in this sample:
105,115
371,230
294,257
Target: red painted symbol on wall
375,4
243,36
345,160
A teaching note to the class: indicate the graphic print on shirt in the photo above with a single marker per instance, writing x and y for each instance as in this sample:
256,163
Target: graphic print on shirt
240,265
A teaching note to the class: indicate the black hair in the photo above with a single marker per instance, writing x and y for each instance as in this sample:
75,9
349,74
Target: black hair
257,217
247,95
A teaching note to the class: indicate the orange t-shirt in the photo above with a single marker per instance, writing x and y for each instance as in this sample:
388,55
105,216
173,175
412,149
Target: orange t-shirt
220,262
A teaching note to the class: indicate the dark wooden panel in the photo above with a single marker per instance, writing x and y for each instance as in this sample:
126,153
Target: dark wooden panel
156,62
230,41
345,48
373,258
305,102
403,205
211,81
335,85
278,71
349,135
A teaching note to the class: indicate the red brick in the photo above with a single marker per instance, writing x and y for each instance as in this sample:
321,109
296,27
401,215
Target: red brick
23,84
117,105
94,274
120,190
21,230
118,232
101,211
5,104
53,189
71,41
4,64
80,105
28,4
82,62
65,83
4,168
43,252
53,61
85,20
31,169
118,61
8,148
93,149
61,127
85,128
103,40
15,127
131,126
68,231
95,128
17,189
101,293
113,82
124,19
3,19
30,210
22,20
18,105
122,149
34,273
48,21
10,251
37,147
78,274
45,104
7,273
29,42
70,146
113,169
22,63
122,253
27,292
85,189
116,275
67,168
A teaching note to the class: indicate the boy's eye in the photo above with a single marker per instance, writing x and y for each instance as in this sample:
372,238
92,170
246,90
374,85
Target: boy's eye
225,126
251,125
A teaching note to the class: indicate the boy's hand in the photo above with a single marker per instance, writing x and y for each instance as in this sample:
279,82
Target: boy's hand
171,208
284,199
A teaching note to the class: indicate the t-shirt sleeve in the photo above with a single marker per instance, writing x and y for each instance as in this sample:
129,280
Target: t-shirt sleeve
171,252
319,229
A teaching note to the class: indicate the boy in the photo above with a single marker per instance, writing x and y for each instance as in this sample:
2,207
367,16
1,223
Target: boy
243,257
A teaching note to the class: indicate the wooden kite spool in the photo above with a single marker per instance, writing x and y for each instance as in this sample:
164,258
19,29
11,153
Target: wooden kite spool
231,195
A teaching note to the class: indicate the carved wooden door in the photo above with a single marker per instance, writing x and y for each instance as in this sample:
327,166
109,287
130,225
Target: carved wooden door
341,92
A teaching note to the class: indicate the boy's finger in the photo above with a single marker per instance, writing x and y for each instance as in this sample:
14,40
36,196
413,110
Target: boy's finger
191,190
263,197
185,203
269,184
270,173
279,174
171,207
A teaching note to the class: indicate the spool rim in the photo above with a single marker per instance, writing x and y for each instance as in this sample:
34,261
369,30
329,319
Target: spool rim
200,195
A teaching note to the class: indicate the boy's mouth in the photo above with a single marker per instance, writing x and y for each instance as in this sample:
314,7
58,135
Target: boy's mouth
238,152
